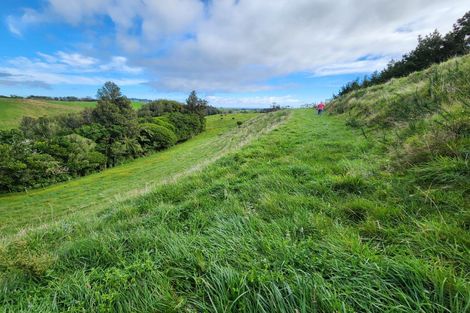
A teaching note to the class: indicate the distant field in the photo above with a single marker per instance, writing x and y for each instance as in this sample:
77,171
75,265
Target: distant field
99,190
13,110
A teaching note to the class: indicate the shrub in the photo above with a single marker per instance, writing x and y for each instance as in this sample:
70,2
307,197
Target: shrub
165,122
160,107
186,125
156,137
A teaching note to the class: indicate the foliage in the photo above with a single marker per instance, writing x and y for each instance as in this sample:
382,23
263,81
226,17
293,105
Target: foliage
160,107
195,105
156,137
186,125
88,194
76,144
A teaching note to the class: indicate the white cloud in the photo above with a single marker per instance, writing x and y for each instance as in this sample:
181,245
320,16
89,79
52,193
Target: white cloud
12,26
76,59
254,102
119,64
67,68
50,78
229,45
16,24
361,66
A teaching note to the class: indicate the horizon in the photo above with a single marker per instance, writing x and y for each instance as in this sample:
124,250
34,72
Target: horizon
236,54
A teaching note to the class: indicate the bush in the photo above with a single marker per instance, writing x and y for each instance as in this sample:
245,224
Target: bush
50,149
187,125
165,122
156,137
159,108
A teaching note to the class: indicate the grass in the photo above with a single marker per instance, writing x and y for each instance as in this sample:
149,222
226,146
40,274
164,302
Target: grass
305,218
102,189
12,110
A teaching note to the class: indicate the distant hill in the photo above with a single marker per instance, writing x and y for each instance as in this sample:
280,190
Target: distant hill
12,110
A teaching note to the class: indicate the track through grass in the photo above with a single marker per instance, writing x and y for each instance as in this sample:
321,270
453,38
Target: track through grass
304,219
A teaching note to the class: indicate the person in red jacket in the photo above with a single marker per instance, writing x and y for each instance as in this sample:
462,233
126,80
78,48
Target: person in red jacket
320,107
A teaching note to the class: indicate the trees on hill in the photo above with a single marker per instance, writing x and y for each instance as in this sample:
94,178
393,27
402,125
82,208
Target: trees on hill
46,150
431,49
195,104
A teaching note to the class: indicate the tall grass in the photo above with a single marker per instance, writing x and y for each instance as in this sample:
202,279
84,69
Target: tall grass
304,219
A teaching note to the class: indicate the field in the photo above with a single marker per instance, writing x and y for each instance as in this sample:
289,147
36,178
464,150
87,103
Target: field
99,190
364,209
12,110
303,219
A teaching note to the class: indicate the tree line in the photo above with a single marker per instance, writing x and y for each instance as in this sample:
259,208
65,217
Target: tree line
47,150
67,98
431,49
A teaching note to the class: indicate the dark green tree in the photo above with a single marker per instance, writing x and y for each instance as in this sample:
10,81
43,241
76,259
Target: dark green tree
109,92
195,104
115,113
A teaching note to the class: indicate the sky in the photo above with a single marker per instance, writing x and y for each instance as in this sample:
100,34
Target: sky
234,53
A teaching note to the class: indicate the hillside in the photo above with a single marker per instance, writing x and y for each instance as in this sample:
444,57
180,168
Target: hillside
422,123
13,109
304,219
87,194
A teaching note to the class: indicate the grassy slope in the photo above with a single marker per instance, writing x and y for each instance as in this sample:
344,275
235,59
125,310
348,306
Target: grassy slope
12,110
442,88
302,220
102,189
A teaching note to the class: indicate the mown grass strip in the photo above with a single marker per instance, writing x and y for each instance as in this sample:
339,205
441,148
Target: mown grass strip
99,190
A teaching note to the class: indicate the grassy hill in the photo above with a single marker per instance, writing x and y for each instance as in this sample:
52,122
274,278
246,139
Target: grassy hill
422,123
362,210
87,194
12,109
303,219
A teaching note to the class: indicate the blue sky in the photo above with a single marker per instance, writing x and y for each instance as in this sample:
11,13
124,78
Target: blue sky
235,53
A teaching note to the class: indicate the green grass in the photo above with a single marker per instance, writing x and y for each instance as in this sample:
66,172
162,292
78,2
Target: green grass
138,176
13,110
304,219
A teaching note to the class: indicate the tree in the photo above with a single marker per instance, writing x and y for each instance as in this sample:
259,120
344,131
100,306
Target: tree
42,127
10,168
186,125
194,104
82,156
159,107
457,41
109,92
115,113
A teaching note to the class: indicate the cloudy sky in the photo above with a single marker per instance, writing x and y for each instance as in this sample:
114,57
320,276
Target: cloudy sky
245,53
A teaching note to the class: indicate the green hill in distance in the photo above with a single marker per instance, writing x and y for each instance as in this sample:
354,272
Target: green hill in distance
12,110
